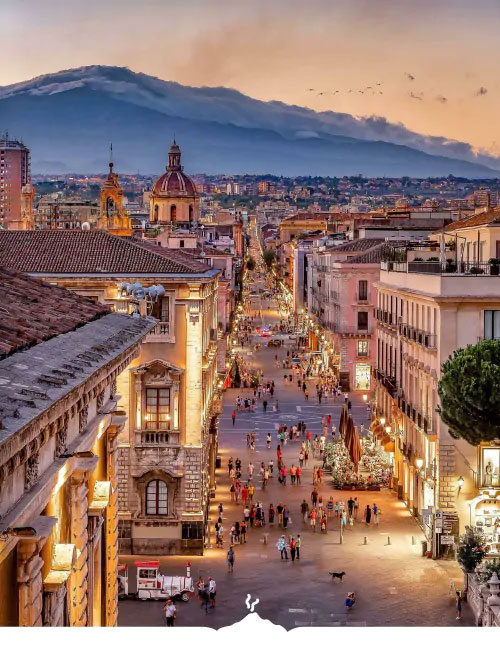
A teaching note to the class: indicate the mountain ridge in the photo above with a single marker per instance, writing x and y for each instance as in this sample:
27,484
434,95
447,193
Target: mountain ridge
217,129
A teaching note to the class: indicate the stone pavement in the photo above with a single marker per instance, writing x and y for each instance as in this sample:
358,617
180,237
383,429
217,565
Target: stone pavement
394,584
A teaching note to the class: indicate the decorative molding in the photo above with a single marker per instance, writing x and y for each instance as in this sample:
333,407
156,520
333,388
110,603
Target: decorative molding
31,473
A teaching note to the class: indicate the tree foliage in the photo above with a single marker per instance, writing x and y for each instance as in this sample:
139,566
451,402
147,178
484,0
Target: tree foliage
269,257
250,264
469,391
471,551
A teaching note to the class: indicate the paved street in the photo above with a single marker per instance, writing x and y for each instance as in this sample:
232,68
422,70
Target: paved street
395,586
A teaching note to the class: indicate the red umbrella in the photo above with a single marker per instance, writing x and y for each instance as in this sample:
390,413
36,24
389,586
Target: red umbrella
343,422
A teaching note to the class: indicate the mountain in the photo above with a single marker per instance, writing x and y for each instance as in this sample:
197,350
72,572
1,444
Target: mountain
68,119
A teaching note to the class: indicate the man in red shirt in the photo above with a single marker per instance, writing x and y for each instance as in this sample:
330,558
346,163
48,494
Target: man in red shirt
298,474
284,472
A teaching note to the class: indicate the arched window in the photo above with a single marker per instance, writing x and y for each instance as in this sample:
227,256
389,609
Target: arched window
190,213
156,213
173,212
156,498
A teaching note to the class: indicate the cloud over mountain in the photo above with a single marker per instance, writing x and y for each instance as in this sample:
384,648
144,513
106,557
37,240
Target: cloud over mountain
223,125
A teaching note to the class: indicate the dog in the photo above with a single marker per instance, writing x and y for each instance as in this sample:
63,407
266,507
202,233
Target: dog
337,575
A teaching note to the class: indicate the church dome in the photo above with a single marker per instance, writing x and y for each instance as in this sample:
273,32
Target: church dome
174,182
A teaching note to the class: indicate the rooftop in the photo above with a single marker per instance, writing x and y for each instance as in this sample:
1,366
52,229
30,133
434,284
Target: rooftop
88,252
34,379
33,311
489,217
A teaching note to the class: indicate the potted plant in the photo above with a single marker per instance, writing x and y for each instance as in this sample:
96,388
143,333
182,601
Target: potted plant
470,552
494,266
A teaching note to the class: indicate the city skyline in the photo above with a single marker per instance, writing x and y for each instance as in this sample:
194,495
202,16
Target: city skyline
430,80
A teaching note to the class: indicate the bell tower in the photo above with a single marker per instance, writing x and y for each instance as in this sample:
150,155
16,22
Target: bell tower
112,215
174,158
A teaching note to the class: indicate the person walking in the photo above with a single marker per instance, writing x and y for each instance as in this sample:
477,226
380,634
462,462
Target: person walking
304,510
314,497
271,514
268,441
368,515
264,405
293,474
281,546
329,508
458,601
312,519
279,510
298,474
233,417
376,512
284,473
171,612
212,591
230,559
293,548
286,516
350,506
243,532
298,545
356,508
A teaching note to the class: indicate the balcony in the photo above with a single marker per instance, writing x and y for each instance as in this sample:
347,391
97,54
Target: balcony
421,337
160,334
156,438
436,267
385,317
389,383
414,415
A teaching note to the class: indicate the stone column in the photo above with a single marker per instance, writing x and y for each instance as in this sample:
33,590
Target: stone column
111,531
193,377
78,595
29,578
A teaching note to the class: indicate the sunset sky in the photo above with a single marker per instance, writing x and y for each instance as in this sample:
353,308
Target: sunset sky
436,60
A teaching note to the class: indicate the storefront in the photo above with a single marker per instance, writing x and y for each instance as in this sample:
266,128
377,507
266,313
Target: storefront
362,373
484,510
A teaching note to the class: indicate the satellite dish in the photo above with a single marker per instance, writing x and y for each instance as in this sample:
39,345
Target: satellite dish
85,225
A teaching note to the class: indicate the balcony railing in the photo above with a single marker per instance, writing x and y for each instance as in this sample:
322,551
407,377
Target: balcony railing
415,415
389,383
385,317
419,336
156,438
435,267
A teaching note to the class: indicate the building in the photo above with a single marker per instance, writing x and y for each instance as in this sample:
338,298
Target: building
174,198
56,213
168,445
426,309
14,175
112,215
342,299
61,357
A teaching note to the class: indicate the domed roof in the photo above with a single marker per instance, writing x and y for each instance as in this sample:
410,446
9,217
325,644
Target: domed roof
174,182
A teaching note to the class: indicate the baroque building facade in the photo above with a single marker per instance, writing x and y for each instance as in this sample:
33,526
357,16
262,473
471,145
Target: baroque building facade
59,425
167,448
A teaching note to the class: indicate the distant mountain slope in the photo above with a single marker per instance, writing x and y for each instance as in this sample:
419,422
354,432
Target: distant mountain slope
69,118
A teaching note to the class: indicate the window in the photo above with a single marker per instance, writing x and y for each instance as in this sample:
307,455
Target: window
362,320
363,290
157,409
156,498
165,310
491,324
362,348
173,212
181,243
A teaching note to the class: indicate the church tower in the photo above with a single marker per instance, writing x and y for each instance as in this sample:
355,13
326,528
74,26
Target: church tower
26,219
112,215
174,199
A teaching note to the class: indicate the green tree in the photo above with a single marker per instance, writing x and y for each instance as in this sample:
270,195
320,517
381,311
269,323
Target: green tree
470,552
269,257
469,391
250,264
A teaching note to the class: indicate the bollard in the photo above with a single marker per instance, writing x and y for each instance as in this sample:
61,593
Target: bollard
365,541
388,540
413,540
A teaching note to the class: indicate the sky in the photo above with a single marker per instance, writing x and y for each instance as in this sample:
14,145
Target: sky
428,64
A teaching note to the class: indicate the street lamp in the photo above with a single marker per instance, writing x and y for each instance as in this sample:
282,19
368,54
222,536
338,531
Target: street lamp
460,483
365,398
382,421
388,429
419,462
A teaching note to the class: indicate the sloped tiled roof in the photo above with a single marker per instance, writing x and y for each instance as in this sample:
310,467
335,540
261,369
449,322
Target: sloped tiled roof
93,251
183,256
356,245
482,219
375,254
33,311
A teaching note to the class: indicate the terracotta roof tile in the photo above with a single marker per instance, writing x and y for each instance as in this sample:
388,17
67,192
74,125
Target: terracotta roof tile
482,219
33,311
94,251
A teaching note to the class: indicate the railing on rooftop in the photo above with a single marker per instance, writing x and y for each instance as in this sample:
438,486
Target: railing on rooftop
435,267
426,339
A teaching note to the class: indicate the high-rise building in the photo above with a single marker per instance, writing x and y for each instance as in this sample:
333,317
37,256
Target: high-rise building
14,174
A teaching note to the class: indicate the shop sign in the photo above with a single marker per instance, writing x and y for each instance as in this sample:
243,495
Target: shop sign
438,522
447,540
